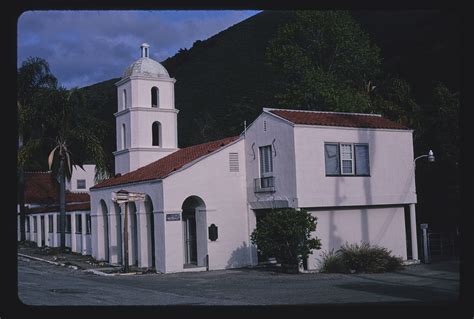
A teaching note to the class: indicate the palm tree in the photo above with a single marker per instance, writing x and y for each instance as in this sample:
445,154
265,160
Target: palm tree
75,134
33,79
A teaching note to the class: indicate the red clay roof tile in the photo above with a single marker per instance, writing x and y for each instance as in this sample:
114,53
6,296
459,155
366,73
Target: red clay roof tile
166,165
337,119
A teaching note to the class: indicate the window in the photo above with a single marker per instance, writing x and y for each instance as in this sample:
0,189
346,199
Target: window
68,223
362,159
78,223
155,131
346,159
233,162
50,223
35,224
88,224
124,99
28,226
154,96
266,162
81,184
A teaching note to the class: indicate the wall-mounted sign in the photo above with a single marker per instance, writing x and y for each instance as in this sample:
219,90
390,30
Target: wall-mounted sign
173,217
213,235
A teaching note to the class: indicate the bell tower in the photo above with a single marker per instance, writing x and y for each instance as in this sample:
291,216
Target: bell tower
146,119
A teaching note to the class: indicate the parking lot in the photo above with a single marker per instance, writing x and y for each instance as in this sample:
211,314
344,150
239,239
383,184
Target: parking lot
40,283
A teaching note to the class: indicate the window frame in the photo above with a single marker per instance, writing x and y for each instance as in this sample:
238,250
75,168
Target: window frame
81,180
262,161
354,159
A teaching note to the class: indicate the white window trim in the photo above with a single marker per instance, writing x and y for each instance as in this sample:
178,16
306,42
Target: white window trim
351,159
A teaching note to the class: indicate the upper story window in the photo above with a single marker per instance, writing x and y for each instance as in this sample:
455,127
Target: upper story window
346,159
155,94
266,161
81,184
156,134
124,99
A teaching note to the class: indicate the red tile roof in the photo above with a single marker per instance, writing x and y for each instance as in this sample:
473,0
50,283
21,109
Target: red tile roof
166,165
55,208
337,119
42,188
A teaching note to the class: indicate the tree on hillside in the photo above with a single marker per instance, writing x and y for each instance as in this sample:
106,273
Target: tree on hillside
34,79
323,61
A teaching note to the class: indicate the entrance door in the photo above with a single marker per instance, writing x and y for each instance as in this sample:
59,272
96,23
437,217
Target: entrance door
189,231
43,239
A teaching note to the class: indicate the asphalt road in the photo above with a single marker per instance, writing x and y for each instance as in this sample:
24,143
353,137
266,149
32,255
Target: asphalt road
40,283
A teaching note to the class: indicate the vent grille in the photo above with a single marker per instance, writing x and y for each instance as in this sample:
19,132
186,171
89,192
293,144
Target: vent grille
233,162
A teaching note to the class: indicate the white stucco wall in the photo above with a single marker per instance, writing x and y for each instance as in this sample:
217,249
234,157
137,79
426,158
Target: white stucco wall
382,226
224,195
77,173
280,136
391,179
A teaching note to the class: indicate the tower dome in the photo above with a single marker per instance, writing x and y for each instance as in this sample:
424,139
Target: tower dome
145,66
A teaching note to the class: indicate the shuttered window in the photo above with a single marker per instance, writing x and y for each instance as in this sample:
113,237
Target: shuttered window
233,162
266,161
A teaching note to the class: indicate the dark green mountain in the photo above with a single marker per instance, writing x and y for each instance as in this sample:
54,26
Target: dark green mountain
224,80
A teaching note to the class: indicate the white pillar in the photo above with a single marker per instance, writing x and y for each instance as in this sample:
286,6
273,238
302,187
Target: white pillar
144,236
160,249
73,232
46,230
414,238
55,230
38,230
84,234
114,244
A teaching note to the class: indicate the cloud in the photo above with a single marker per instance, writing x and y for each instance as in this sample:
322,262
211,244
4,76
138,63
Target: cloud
85,47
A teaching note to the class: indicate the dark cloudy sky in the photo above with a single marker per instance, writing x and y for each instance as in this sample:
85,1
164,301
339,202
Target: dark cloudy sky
86,47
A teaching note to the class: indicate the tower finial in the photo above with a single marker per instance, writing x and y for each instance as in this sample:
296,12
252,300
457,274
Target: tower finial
145,50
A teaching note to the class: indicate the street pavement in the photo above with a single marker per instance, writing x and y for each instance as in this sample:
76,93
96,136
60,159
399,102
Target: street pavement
40,283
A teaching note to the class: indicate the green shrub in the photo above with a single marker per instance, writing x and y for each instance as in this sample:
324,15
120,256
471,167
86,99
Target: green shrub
286,235
369,259
331,262
362,258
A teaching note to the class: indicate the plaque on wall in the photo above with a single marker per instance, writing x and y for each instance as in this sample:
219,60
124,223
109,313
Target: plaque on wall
173,217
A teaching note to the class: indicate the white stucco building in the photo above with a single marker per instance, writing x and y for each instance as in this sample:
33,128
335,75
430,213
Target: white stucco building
42,209
355,172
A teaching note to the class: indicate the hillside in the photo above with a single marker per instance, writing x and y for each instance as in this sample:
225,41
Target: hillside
224,80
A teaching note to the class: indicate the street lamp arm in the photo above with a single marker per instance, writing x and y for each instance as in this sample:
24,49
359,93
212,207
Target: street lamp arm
420,157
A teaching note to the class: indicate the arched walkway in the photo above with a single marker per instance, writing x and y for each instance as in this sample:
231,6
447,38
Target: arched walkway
151,229
194,231
104,229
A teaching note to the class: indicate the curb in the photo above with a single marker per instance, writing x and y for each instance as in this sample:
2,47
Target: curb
48,261
93,271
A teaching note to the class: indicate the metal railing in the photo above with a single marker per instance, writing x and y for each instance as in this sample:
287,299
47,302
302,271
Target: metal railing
264,184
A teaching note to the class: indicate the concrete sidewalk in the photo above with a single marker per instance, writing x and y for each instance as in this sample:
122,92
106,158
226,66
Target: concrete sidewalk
75,261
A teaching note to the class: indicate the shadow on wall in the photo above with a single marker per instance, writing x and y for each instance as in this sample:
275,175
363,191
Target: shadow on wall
240,257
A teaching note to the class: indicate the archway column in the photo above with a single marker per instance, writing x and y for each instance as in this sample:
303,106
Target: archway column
144,236
115,245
